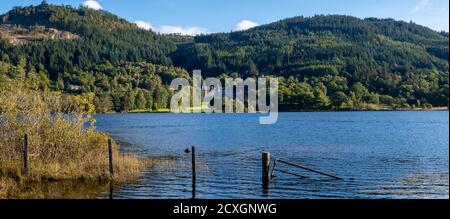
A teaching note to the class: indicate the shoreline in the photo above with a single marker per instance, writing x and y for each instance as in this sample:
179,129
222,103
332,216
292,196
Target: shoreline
298,111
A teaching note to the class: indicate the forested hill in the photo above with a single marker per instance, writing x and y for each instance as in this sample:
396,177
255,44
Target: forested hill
110,61
330,54
103,37
323,62
345,43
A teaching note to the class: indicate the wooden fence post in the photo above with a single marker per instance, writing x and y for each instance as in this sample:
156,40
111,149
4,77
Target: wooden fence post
111,167
265,169
25,154
194,176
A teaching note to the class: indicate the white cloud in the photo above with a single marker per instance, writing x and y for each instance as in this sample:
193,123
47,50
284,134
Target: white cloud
244,25
92,4
192,31
144,25
421,6
167,29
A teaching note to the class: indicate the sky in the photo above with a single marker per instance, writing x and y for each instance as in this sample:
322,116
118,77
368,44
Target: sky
207,16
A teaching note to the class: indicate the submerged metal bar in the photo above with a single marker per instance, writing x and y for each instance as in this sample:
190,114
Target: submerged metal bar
295,174
272,174
308,169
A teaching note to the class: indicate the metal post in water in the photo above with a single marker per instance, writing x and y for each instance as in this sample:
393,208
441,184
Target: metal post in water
194,176
265,169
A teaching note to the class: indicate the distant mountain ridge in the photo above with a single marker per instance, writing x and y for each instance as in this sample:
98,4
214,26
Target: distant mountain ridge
296,42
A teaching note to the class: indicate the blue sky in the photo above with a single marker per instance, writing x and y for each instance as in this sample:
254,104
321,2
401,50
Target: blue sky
195,16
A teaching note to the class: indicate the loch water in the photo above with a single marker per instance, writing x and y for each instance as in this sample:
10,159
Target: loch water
377,154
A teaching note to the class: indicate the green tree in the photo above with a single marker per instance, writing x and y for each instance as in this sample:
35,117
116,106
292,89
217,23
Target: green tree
141,101
148,99
103,103
19,72
160,98
339,100
60,84
127,101
321,100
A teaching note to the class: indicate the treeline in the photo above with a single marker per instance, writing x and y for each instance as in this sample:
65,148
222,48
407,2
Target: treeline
126,86
335,93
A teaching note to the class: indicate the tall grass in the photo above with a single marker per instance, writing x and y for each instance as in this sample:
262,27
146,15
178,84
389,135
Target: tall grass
61,145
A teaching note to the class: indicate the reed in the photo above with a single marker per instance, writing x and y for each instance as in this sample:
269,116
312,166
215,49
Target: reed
62,141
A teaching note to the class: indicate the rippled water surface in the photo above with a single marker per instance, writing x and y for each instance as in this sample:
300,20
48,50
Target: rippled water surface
378,154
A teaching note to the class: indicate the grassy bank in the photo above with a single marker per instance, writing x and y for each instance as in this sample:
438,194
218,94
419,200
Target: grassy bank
61,146
375,108
369,107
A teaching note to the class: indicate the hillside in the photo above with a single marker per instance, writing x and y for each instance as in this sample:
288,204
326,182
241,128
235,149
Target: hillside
331,53
125,67
323,62
19,35
286,46
103,37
